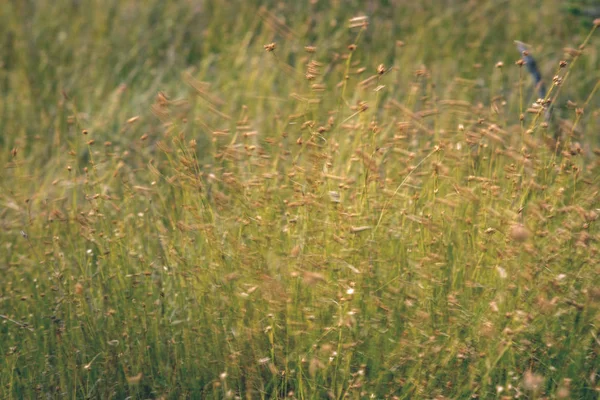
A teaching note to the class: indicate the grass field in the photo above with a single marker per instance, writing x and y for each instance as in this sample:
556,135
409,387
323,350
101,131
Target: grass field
298,200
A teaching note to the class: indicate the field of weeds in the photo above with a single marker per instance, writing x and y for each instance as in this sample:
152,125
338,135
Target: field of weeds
299,200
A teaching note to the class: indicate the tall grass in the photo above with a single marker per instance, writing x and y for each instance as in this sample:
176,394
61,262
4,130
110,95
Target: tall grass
297,200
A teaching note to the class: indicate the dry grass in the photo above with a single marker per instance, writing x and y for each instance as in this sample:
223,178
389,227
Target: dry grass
297,201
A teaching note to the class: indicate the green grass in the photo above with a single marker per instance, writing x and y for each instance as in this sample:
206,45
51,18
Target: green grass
386,215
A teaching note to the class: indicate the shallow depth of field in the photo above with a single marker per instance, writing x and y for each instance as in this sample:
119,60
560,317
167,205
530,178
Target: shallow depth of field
299,200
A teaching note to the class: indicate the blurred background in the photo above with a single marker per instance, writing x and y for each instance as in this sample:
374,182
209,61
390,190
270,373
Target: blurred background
92,52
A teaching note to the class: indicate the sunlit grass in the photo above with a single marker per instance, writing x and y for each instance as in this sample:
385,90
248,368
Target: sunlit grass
301,201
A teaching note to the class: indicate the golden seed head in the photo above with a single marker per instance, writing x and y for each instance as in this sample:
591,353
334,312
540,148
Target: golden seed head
597,22
519,233
78,288
352,47
359,22
563,392
499,64
520,62
572,52
134,380
310,49
270,47
381,69
295,251
85,132
162,98
562,64
532,381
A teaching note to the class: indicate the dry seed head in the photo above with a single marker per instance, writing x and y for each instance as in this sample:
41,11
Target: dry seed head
312,278
13,152
310,49
78,288
352,47
557,80
532,381
562,64
270,47
597,22
85,132
359,22
572,52
162,98
519,233
499,64
134,380
295,251
563,392
381,69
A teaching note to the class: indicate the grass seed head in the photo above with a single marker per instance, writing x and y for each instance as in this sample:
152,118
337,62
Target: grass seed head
532,381
519,233
78,288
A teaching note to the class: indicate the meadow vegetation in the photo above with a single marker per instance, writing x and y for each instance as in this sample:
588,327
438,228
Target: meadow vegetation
298,200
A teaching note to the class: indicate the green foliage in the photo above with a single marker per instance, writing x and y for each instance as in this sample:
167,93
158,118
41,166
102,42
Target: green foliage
304,200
